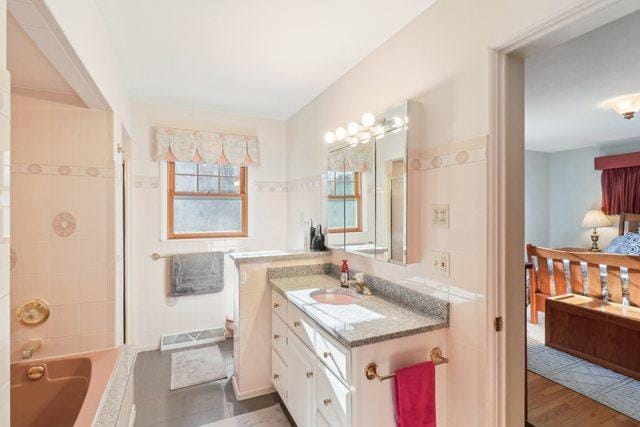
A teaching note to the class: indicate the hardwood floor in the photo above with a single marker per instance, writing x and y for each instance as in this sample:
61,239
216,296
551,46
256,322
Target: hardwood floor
551,404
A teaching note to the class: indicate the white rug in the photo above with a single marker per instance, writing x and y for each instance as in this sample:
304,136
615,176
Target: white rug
603,385
197,366
267,417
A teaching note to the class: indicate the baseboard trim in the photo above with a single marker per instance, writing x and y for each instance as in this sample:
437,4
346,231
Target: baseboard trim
251,393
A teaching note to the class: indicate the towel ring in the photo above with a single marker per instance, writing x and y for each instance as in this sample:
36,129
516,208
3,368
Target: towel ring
372,372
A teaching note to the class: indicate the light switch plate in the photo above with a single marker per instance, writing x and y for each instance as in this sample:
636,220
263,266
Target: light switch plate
440,263
439,216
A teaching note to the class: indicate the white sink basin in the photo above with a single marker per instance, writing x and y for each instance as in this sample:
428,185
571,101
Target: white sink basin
336,296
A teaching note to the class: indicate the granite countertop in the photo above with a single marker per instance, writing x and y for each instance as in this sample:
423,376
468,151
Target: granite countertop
275,255
372,319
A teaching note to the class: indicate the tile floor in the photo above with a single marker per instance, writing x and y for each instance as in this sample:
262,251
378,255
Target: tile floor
156,405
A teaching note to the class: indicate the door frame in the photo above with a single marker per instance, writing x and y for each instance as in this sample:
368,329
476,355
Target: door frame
505,182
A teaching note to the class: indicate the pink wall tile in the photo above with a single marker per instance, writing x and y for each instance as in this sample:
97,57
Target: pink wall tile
94,145
34,224
35,191
64,320
92,255
33,257
64,193
64,288
65,134
93,341
93,286
65,345
92,217
35,285
35,125
93,317
64,256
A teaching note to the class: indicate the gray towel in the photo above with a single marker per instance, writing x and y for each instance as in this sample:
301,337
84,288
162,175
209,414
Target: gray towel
198,273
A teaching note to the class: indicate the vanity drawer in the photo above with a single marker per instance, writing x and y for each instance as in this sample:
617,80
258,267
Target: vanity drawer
334,356
279,332
333,399
279,305
279,375
321,421
301,325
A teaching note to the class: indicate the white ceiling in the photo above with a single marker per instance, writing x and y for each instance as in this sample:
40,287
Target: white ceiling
253,57
565,86
29,68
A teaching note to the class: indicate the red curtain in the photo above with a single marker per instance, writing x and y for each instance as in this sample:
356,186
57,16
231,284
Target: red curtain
621,190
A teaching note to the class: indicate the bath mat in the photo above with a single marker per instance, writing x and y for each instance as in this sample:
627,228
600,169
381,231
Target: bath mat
197,366
267,417
603,385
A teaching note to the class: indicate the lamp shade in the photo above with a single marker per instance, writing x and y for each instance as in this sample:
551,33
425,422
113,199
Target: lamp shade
595,218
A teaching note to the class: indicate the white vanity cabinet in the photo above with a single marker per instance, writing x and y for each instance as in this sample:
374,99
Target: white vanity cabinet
322,382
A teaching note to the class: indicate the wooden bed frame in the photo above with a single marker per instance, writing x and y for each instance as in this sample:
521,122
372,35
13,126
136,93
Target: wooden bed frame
613,288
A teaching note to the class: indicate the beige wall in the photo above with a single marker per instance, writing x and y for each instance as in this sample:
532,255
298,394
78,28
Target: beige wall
62,230
441,59
5,187
154,313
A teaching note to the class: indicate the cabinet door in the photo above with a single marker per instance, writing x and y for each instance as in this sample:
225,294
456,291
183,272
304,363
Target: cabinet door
301,401
301,325
321,421
333,399
279,376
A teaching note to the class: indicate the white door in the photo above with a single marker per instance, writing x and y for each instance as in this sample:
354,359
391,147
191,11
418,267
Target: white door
301,403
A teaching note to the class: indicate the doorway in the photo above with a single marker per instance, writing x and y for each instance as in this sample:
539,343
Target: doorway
507,195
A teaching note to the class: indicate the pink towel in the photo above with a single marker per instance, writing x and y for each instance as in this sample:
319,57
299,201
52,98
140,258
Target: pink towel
415,394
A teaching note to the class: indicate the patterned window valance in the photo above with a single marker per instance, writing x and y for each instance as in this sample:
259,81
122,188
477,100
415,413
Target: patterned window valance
355,158
184,145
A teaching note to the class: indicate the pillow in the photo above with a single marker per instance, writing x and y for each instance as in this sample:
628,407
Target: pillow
629,244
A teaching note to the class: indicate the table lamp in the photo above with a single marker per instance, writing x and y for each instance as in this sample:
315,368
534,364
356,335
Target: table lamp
595,218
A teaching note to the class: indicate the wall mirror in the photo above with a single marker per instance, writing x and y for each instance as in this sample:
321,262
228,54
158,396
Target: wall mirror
366,189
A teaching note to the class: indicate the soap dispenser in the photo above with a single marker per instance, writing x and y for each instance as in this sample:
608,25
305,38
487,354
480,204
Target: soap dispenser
317,243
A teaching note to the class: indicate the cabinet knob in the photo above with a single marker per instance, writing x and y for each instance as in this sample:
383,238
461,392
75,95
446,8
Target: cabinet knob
326,402
309,374
296,324
276,336
276,376
326,354
276,305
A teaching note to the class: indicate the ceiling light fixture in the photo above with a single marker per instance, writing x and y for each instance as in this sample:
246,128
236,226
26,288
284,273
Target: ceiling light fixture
626,105
329,137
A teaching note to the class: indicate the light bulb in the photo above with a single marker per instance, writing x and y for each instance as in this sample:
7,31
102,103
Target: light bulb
341,133
396,122
329,137
368,119
353,128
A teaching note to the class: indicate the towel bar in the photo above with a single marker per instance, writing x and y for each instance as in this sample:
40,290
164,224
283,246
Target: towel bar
371,370
156,256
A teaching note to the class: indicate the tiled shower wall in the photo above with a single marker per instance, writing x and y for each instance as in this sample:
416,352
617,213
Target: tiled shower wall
62,238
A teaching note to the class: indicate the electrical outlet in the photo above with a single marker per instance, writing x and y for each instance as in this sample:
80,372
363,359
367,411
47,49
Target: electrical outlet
440,216
440,262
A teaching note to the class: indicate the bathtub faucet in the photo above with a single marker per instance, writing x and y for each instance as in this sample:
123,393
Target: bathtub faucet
31,347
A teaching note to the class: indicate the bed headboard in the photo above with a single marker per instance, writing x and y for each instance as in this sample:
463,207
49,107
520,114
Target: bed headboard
628,222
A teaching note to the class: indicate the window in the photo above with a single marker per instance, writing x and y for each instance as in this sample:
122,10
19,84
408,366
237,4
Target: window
345,202
206,200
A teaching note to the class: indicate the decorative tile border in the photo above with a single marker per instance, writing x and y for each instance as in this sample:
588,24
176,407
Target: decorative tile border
43,169
146,182
314,181
454,153
271,187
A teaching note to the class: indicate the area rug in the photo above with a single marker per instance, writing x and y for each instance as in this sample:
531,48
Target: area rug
197,366
267,417
603,385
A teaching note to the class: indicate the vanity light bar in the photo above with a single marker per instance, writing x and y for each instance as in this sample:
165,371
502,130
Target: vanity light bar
369,127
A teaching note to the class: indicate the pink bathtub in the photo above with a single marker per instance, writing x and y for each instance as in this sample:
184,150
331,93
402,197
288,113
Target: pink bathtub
68,393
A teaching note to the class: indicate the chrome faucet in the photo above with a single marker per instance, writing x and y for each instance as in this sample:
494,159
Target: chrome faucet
31,347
